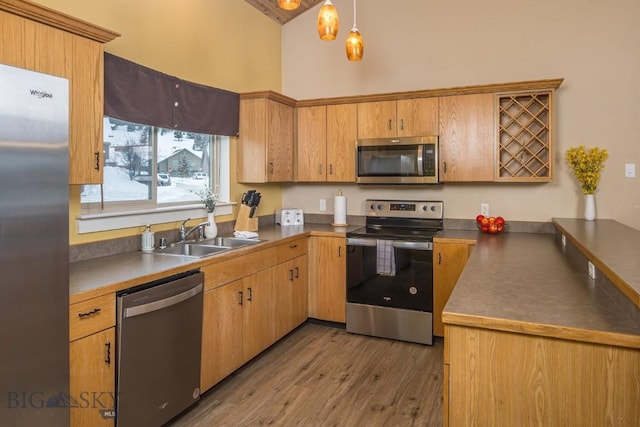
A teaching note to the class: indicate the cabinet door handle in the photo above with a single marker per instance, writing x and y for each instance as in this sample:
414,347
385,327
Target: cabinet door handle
97,153
439,258
89,313
291,275
330,169
250,298
390,121
107,356
297,273
240,294
320,169
402,124
339,251
293,246
271,168
445,167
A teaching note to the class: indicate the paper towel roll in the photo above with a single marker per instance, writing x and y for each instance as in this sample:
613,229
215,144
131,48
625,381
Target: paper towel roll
340,210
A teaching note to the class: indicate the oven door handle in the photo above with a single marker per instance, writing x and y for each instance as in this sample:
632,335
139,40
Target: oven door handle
400,244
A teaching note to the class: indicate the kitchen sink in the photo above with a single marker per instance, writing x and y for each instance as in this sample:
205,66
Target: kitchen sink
207,247
195,250
230,242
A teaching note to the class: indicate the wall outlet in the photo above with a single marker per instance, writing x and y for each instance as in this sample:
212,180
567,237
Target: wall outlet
323,205
630,170
592,270
484,209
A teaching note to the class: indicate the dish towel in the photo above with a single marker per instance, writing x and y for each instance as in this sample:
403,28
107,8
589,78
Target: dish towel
245,234
386,258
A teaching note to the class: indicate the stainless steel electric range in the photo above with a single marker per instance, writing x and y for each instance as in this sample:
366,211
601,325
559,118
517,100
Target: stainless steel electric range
390,270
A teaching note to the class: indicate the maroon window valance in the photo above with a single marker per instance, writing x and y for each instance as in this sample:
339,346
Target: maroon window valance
142,95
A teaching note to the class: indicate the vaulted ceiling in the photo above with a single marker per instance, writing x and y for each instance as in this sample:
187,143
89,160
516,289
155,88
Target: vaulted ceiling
271,9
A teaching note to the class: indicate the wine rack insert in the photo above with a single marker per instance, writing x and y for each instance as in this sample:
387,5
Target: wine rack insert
525,151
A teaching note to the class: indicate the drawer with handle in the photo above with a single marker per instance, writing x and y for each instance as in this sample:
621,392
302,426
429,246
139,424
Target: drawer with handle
290,250
91,316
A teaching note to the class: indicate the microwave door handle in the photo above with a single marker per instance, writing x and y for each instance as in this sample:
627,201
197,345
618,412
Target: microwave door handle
421,170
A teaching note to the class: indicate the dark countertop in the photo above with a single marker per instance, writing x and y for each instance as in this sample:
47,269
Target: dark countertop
105,275
525,283
613,247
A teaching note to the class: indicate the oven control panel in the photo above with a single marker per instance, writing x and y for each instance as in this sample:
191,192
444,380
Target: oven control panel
424,209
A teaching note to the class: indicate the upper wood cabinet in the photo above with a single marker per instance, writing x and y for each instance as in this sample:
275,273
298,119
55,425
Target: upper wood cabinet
342,133
326,138
265,146
311,154
467,137
43,40
406,117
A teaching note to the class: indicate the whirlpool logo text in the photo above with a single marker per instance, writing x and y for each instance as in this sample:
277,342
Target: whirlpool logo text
41,93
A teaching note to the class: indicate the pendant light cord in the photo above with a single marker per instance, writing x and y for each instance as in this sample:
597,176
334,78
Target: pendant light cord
354,15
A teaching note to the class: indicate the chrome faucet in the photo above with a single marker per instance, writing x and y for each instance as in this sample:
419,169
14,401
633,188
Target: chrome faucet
184,233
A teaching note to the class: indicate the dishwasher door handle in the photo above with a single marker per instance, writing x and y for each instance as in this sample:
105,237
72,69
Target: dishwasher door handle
163,303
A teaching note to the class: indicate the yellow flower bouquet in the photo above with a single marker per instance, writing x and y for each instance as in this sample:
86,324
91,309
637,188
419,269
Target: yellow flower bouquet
586,165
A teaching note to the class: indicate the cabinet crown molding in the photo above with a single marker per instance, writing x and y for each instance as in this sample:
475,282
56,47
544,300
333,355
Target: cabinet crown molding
426,93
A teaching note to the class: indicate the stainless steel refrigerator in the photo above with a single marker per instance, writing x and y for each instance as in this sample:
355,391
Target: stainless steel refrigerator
34,246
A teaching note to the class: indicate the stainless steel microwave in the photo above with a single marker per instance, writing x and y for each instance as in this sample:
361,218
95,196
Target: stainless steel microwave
412,160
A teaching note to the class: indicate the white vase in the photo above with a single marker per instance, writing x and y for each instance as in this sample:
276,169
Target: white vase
211,230
589,207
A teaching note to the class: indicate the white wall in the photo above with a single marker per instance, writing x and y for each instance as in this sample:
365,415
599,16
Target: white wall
428,44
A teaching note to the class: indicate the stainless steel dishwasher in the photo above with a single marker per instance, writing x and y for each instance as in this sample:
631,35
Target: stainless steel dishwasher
158,343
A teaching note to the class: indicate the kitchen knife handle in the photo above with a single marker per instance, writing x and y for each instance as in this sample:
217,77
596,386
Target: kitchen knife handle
97,153
107,356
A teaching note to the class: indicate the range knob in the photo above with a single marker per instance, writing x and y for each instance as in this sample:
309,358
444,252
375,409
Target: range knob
380,206
373,206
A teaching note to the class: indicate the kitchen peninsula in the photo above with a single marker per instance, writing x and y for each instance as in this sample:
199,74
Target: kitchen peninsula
530,336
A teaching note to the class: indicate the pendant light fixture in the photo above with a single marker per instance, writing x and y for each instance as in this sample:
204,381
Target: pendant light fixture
355,44
328,23
288,4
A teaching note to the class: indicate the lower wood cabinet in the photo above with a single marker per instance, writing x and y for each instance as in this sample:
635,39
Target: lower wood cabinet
327,278
92,379
290,295
222,333
252,310
449,259
258,314
497,378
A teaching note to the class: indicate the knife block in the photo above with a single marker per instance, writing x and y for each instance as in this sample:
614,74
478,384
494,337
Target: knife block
243,222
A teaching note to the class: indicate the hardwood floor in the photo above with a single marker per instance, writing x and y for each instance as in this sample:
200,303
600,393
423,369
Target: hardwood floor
322,376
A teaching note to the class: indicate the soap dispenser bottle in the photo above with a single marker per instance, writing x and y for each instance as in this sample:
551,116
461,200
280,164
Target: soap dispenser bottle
148,239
